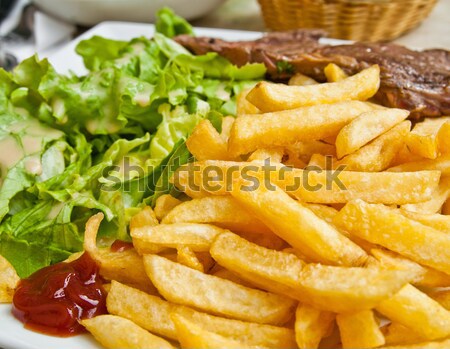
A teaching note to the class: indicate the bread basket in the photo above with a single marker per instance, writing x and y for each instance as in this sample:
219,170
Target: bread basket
366,20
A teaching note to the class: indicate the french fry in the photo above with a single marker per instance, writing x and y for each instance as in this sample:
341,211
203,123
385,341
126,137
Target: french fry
404,156
386,227
442,296
187,257
274,154
324,212
8,281
299,79
227,124
164,204
433,205
425,276
311,325
146,217
126,266
205,260
283,128
223,211
444,344
396,334
429,138
336,289
272,97
365,128
334,73
377,155
205,143
148,311
327,187
229,275
243,106
417,311
316,238
304,150
359,330
437,221
442,164
196,236
183,285
193,336
249,333
117,332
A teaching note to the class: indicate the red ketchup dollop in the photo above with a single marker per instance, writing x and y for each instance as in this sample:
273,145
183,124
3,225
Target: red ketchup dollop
54,298
120,246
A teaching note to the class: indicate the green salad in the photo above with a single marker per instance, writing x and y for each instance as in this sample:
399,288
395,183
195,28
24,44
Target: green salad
106,141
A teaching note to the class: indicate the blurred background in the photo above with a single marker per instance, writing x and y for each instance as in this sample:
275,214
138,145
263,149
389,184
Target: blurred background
28,26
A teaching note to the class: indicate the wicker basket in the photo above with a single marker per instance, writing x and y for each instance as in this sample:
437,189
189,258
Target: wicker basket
367,20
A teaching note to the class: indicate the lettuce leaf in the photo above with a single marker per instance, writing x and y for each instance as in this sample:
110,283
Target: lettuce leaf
107,141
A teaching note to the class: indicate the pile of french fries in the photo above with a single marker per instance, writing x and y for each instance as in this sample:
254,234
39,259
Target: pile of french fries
315,219
343,243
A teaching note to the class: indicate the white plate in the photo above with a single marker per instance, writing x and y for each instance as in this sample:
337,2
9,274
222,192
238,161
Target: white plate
12,333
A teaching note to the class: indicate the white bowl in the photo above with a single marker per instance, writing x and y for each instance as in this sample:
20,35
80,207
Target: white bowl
91,12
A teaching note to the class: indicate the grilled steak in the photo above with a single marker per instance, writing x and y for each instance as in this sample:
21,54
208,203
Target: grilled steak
413,80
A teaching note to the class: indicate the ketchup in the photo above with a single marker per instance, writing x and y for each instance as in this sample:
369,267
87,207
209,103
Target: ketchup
54,298
120,246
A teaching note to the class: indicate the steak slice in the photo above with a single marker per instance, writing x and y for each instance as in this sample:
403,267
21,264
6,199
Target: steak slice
413,80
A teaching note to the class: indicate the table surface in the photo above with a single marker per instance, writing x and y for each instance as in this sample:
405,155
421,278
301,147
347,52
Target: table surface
433,32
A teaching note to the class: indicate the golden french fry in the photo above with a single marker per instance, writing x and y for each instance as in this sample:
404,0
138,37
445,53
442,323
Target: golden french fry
396,334
425,276
229,275
164,204
442,296
433,205
437,221
299,79
359,330
187,257
378,154
304,150
148,311
386,227
273,154
205,260
429,138
365,128
223,211
404,156
336,289
205,143
249,333
272,97
314,186
423,345
324,212
243,106
186,286
417,311
334,73
146,217
125,266
284,128
442,164
117,332
316,239
8,281
193,336
227,124
196,236
311,325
